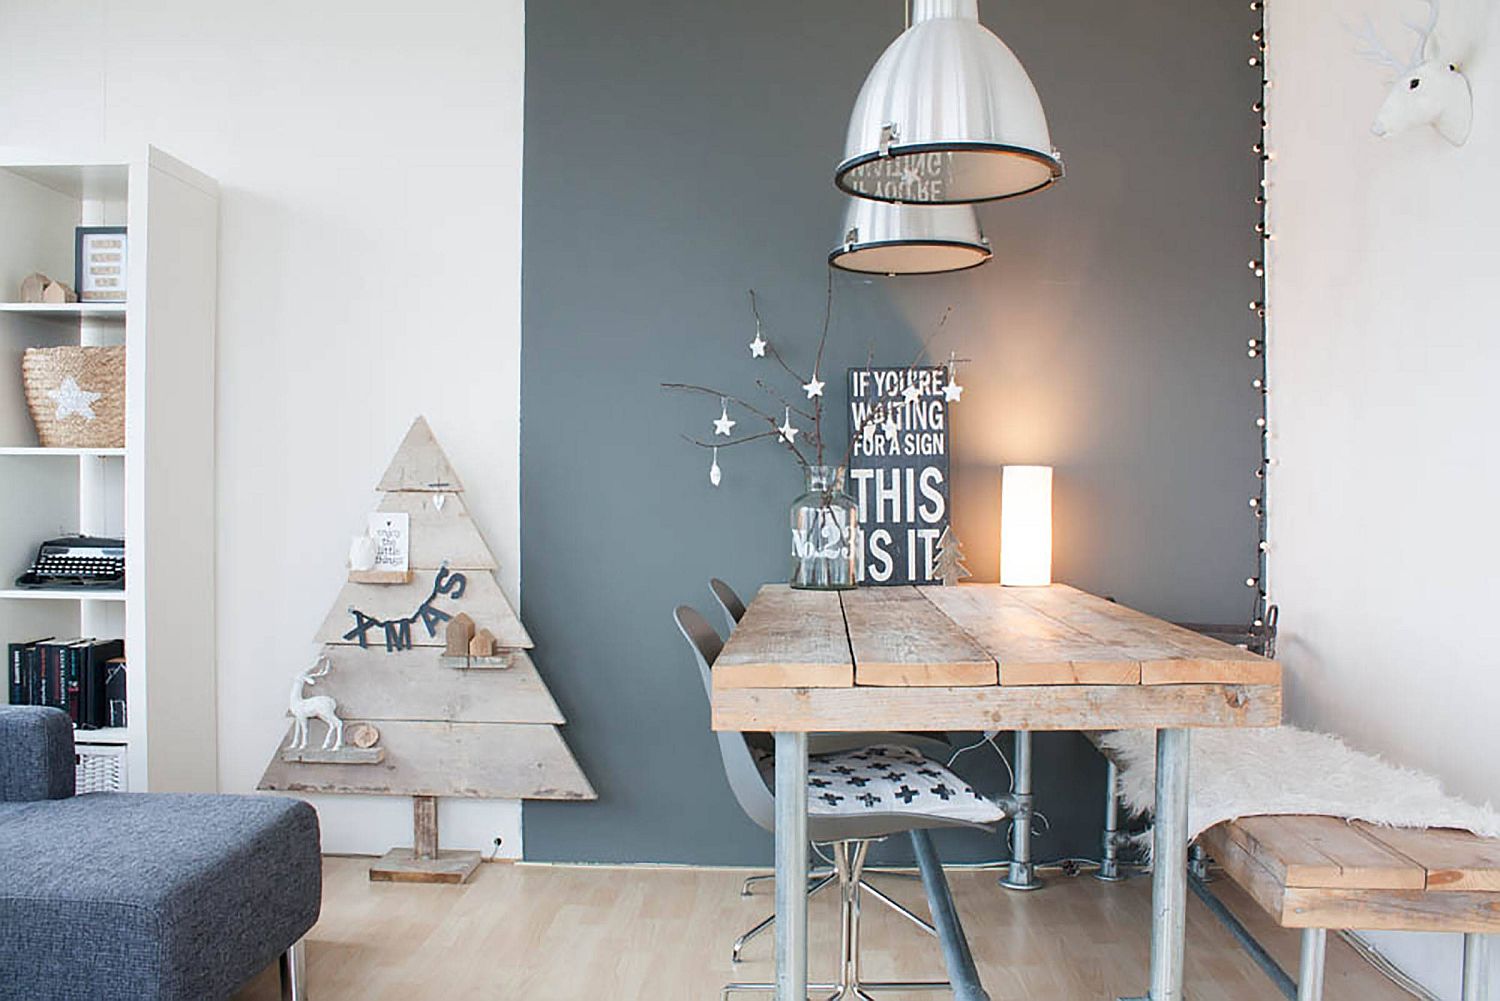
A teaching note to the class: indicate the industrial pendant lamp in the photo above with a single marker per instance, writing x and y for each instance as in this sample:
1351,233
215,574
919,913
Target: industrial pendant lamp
947,115
885,239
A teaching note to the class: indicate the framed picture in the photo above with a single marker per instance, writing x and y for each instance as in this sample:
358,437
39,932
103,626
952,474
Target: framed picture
99,263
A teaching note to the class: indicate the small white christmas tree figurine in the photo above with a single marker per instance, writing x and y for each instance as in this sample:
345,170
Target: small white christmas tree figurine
950,558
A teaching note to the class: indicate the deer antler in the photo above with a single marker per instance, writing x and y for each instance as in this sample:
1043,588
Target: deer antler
321,666
1375,50
1424,33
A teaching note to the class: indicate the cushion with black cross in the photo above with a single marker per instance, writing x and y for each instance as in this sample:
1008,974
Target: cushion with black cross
890,778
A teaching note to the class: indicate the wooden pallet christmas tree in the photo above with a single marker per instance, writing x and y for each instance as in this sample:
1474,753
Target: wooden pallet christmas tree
473,721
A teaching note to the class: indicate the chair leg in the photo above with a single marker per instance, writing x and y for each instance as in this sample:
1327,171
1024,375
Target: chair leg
293,969
739,943
1310,969
897,906
1476,967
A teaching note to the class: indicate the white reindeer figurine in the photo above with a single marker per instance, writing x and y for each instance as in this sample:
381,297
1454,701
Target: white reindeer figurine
321,706
1430,86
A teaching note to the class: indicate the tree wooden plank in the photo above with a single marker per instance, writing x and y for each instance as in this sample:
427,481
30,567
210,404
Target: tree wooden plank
996,707
1454,860
899,637
1324,852
1031,648
438,536
476,760
787,639
420,464
1168,654
414,685
482,600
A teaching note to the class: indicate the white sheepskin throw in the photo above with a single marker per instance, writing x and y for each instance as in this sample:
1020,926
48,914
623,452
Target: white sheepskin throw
1284,770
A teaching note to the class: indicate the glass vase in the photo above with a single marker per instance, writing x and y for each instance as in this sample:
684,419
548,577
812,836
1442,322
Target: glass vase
824,522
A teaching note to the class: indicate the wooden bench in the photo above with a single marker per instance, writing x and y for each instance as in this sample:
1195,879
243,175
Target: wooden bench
1317,873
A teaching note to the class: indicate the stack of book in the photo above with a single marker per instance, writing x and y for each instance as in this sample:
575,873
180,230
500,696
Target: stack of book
84,676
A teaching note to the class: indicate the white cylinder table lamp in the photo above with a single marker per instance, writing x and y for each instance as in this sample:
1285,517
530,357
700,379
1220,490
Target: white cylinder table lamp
1026,526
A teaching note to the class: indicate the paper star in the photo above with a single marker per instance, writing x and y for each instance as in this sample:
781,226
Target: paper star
814,387
911,393
758,346
71,399
952,392
724,423
788,433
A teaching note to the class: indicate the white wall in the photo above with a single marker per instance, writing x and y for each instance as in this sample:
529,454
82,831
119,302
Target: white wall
1383,361
370,162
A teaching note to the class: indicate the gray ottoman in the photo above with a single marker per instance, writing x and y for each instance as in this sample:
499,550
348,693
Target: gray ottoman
116,896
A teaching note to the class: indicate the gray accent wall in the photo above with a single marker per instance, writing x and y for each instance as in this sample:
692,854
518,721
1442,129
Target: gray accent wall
678,154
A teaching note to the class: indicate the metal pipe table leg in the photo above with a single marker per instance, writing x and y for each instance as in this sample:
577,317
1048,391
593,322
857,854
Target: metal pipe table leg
1022,872
1169,865
956,956
1476,967
1310,967
1109,863
791,866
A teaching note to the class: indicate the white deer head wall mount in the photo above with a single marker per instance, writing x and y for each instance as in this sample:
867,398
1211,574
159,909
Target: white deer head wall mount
1430,85
321,706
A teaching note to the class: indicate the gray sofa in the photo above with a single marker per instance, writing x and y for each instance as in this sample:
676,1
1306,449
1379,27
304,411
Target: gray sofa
142,896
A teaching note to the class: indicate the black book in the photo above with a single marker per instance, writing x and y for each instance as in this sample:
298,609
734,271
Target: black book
94,710
34,675
54,674
114,692
18,676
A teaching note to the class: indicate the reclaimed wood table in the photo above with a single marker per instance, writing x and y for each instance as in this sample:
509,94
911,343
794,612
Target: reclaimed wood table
979,657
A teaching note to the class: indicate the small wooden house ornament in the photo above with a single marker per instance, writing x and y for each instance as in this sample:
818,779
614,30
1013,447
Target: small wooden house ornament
460,633
483,644
38,288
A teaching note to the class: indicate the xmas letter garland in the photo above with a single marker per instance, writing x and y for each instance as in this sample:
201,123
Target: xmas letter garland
398,631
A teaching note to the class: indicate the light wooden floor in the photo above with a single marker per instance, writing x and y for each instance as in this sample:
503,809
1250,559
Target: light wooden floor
543,933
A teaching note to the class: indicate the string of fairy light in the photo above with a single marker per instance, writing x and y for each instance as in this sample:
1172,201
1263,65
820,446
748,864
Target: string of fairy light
1257,346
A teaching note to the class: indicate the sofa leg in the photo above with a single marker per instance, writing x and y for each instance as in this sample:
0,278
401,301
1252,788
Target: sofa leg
293,965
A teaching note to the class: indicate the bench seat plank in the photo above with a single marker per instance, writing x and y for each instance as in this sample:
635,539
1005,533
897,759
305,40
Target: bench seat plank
1321,872
1453,860
1325,852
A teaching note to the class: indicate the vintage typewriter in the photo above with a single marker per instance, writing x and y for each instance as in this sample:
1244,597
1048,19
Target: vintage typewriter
77,562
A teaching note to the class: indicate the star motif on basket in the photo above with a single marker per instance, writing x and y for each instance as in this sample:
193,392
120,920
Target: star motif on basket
73,399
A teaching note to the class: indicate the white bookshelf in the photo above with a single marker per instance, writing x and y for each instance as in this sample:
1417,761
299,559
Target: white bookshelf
157,492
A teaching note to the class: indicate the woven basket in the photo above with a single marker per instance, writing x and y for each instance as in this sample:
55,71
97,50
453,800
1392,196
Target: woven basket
76,396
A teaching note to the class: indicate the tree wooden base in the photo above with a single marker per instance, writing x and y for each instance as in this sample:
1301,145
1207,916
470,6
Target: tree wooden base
345,755
399,865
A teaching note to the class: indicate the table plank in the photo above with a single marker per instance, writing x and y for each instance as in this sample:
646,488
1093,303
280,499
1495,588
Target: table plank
1167,654
996,707
1312,851
787,639
1031,648
1453,860
900,638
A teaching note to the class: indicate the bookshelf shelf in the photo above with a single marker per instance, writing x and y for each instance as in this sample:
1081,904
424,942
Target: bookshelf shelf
157,492
70,311
26,594
26,450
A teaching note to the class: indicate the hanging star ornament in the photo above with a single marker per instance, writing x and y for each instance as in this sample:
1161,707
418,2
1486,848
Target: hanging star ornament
911,394
814,386
953,391
758,346
724,424
788,433
72,399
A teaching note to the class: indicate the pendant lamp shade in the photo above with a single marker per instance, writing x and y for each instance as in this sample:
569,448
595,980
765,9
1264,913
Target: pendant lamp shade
947,115
881,238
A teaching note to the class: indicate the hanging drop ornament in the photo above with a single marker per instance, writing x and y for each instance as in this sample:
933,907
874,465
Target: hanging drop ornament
814,386
725,424
892,431
758,346
715,475
788,433
952,392
438,500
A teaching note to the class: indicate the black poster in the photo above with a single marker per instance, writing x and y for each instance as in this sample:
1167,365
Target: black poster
898,471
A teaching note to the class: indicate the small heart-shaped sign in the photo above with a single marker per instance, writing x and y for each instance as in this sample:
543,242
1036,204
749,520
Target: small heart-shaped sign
438,500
